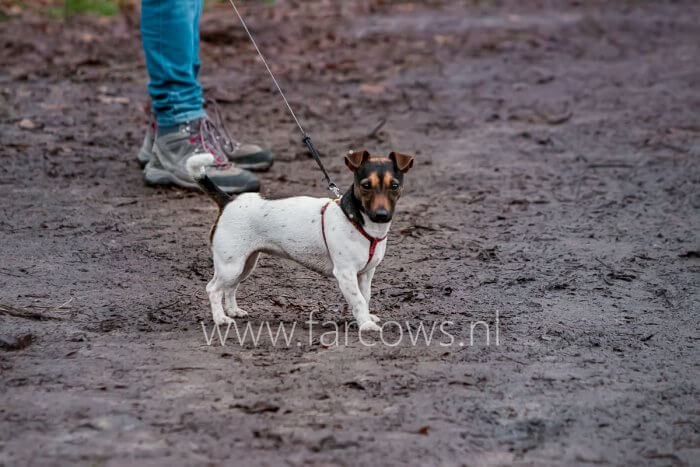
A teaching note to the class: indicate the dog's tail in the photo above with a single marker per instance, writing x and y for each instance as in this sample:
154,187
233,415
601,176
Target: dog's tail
220,197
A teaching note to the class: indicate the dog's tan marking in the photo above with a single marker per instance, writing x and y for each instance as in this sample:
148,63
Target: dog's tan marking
374,180
379,160
387,179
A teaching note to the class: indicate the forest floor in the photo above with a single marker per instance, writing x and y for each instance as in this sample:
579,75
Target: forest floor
555,197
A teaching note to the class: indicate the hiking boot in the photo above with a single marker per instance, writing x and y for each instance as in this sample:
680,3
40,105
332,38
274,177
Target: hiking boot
245,156
177,155
146,150
249,156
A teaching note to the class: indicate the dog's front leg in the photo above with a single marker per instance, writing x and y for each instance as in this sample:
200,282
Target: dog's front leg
365,281
347,281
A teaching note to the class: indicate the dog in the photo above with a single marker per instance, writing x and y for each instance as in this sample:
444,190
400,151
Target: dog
344,238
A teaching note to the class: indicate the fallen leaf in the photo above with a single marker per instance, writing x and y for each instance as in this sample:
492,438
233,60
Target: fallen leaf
330,443
87,37
113,99
354,385
257,407
443,38
372,88
50,107
27,124
16,343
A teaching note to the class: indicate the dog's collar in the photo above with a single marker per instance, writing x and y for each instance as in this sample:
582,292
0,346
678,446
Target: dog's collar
373,241
351,206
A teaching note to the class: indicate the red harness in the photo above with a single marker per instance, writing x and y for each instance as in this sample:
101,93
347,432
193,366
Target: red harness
373,241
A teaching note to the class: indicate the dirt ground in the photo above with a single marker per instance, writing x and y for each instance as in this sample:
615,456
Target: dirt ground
556,188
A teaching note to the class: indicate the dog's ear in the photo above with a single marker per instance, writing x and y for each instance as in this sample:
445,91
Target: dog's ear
355,159
403,161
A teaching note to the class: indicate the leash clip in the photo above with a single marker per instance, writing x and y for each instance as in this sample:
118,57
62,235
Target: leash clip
306,139
334,189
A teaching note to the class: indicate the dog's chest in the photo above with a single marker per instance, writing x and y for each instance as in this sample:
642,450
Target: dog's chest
375,257
349,247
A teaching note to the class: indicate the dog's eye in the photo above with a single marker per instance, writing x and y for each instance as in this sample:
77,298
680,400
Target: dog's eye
366,186
394,186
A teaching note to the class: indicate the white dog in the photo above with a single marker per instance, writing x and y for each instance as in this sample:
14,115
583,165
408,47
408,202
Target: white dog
345,238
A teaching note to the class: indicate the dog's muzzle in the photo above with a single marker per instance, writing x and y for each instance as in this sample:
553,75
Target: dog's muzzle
380,215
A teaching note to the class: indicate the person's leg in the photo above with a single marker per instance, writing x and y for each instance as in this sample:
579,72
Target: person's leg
196,63
170,38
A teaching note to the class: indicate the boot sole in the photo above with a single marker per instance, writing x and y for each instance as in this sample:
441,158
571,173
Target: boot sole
259,167
145,156
159,177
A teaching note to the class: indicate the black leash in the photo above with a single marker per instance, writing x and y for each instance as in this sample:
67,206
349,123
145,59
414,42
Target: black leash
305,137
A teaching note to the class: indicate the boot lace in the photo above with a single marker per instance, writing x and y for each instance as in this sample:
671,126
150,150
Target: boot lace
214,137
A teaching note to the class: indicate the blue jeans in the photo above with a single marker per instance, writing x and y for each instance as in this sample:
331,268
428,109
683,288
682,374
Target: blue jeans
170,38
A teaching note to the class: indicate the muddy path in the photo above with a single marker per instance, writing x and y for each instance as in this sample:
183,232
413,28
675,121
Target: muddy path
555,198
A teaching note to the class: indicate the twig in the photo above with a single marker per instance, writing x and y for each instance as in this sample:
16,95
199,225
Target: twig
557,120
610,165
379,126
673,147
513,360
53,308
601,262
371,135
64,303
24,313
614,274
7,273
126,203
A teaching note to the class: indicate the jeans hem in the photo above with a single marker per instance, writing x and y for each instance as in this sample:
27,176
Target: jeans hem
171,120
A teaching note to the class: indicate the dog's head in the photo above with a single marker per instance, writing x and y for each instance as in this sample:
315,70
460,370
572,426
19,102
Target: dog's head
378,182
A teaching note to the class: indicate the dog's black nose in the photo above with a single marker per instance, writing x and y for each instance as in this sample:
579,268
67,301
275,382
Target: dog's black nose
381,215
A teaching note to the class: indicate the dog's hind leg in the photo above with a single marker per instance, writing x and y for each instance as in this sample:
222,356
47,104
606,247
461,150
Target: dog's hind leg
232,307
215,290
250,265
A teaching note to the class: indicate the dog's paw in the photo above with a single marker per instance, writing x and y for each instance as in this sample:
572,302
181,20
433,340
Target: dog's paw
374,318
222,320
369,326
237,312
